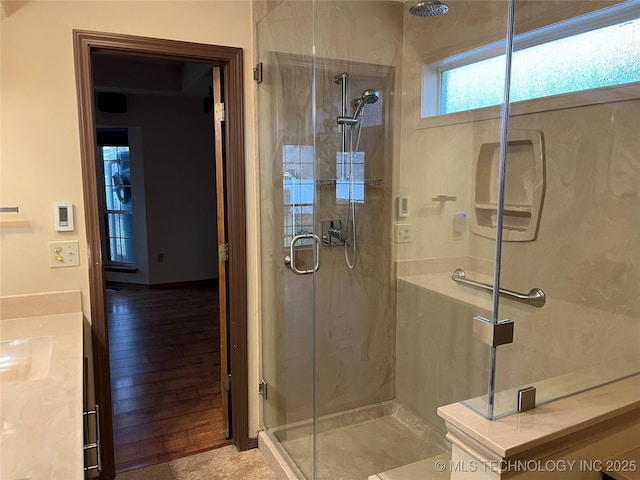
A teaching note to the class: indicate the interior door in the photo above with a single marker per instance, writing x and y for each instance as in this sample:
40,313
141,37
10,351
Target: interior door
218,127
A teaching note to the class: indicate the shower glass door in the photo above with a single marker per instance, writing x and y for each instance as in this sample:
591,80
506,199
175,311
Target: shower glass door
287,216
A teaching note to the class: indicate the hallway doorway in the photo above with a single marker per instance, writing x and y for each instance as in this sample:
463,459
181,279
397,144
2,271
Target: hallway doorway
229,134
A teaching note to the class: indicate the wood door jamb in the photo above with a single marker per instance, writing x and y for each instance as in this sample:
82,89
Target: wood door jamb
230,59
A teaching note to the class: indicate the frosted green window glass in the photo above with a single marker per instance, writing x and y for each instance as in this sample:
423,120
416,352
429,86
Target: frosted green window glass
598,58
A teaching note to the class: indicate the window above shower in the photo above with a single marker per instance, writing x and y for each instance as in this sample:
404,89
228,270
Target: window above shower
588,52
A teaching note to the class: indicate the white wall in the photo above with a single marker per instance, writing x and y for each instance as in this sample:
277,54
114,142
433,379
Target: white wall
40,147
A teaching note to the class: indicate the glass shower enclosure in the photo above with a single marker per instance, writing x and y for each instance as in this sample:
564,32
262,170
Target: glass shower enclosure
442,219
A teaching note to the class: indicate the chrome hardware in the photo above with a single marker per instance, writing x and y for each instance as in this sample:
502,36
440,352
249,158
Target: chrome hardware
263,388
9,209
492,334
526,399
257,72
95,445
536,297
290,260
346,120
355,181
333,232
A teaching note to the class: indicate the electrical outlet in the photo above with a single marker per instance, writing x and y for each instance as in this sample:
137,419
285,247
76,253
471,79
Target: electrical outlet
64,254
403,233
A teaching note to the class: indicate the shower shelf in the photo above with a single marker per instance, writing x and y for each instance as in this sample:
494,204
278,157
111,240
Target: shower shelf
507,207
334,181
524,186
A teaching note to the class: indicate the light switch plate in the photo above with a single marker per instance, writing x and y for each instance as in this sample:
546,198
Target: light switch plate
403,233
64,254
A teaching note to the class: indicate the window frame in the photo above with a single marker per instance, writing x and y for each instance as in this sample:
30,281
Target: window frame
432,73
113,137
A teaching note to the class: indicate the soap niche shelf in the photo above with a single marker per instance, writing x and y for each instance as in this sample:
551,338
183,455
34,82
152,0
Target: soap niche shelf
524,187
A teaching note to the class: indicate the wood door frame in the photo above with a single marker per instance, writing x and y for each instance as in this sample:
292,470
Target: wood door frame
230,60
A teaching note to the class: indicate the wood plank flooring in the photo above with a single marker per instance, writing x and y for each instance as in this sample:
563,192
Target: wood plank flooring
164,345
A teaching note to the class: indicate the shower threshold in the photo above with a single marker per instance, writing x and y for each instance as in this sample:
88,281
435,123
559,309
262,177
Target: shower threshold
374,441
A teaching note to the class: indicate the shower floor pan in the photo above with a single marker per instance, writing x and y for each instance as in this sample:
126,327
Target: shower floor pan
362,443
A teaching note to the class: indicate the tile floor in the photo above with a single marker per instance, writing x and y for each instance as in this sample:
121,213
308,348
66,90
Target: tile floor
355,452
221,464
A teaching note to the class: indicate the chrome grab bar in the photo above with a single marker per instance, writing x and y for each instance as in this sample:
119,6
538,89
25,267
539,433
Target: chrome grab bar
290,260
536,297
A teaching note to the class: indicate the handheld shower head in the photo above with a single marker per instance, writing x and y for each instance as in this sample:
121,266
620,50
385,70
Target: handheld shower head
368,97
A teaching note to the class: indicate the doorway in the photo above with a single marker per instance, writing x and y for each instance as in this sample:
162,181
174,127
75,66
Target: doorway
230,192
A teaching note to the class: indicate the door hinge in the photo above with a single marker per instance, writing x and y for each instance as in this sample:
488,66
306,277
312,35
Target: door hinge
223,252
492,334
226,382
257,72
263,388
219,112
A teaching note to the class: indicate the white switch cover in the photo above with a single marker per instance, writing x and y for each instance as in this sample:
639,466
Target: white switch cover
64,254
403,233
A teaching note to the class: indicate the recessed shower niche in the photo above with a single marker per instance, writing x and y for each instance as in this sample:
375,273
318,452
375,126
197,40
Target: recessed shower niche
524,187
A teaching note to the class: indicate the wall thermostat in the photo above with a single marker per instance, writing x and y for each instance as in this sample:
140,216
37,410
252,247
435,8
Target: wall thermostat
403,206
63,216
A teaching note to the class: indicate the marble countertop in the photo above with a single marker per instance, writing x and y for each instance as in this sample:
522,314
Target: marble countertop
518,434
41,428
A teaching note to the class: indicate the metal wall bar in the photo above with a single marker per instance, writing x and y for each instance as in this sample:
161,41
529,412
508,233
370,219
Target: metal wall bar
535,297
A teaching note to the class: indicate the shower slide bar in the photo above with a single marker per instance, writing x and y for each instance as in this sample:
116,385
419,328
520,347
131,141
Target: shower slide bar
536,297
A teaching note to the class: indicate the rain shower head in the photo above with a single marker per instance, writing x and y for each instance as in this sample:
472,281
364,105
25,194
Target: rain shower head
429,9
368,97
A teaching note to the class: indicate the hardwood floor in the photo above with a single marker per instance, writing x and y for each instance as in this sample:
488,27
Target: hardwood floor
164,345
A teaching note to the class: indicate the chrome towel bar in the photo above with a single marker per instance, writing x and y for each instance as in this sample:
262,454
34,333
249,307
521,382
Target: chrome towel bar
535,297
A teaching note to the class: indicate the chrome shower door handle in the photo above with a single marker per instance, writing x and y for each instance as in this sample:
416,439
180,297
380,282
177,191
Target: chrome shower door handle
290,260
